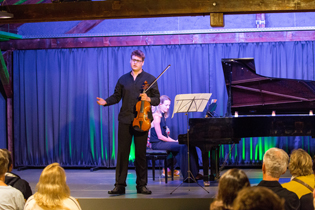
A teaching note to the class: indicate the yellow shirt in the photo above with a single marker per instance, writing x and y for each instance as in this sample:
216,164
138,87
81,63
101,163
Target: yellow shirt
298,188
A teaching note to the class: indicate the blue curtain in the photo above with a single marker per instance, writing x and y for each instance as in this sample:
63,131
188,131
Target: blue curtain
3,119
56,118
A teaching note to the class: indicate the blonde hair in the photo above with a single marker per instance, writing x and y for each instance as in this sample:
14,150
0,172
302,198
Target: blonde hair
52,188
156,109
4,161
300,163
9,156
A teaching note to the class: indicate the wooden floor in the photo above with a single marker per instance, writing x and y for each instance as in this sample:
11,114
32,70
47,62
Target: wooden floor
90,188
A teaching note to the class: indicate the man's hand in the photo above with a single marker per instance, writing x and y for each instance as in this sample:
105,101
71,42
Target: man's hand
100,101
145,97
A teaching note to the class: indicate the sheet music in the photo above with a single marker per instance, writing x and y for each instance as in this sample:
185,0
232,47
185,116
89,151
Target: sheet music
191,102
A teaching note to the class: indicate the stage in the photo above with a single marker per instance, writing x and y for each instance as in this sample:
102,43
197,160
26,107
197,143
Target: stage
90,188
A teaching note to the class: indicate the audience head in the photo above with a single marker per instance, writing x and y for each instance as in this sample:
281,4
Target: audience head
52,187
10,165
300,163
230,184
3,163
258,198
275,162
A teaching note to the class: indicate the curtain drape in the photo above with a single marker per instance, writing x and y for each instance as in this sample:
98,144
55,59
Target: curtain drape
3,118
57,119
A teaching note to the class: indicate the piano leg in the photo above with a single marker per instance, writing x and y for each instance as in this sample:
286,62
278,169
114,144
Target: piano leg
214,162
217,172
205,163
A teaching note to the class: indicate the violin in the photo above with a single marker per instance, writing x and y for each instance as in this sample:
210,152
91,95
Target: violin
142,122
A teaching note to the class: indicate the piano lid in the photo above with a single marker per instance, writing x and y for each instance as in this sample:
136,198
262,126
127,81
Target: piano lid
252,94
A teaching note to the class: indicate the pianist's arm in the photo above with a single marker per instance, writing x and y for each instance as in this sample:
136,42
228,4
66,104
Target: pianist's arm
157,126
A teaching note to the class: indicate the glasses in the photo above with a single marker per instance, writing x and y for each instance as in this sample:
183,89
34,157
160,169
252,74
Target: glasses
136,61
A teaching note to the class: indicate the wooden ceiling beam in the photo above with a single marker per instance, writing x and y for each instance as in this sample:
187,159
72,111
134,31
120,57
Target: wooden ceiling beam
84,42
114,9
84,26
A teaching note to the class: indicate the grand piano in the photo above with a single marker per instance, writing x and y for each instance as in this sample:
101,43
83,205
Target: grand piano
257,106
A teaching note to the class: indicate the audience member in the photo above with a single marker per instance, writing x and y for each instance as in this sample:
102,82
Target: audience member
14,180
307,202
258,198
308,198
230,184
52,191
10,198
275,164
300,166
302,181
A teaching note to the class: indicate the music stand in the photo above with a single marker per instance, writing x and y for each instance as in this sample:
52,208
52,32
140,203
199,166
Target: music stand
185,103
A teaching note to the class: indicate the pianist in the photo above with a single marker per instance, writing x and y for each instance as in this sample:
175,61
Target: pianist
160,139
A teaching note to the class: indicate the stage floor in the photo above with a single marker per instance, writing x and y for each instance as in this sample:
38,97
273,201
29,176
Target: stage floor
86,184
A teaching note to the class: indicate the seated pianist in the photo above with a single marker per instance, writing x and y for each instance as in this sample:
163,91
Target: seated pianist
160,139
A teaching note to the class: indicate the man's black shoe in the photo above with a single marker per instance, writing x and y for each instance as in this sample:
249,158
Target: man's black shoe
143,190
117,191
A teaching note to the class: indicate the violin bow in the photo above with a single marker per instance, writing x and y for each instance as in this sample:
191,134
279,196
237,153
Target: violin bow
157,78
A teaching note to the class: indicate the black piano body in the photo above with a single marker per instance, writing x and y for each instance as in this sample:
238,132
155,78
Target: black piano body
257,106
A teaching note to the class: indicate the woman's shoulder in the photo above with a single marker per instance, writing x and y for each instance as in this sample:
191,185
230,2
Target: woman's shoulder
72,203
31,204
158,114
30,198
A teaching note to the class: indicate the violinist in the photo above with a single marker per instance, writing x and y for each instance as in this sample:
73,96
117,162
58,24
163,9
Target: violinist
129,88
160,139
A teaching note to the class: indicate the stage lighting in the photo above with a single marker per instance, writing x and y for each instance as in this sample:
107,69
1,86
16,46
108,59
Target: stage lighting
4,14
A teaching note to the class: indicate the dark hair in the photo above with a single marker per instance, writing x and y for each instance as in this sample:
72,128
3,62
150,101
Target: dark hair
258,198
138,53
9,156
230,184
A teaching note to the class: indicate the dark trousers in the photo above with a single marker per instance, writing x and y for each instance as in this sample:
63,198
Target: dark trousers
182,150
125,134
172,147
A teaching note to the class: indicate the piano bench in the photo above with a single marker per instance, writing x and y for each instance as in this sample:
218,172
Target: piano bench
159,155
